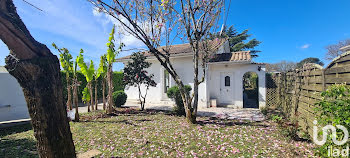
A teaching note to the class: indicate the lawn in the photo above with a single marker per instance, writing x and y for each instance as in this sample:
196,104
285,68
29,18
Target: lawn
150,134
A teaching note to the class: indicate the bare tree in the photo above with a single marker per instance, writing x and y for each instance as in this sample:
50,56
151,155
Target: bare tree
282,66
153,23
198,20
333,50
38,72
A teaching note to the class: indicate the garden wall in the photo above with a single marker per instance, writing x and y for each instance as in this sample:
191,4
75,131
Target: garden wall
297,91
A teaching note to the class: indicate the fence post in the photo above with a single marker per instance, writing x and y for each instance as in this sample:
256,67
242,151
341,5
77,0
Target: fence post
323,80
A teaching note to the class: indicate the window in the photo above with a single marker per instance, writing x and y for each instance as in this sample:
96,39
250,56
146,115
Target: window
166,81
227,81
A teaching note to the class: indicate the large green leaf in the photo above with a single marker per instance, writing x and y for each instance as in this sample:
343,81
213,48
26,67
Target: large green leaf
65,58
91,71
111,52
86,95
83,67
102,69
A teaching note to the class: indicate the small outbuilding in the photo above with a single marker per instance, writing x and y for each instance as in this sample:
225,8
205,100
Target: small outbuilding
12,102
232,79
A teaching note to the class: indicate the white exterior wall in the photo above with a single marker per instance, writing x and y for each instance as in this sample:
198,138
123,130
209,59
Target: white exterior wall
184,68
11,94
210,88
154,93
237,71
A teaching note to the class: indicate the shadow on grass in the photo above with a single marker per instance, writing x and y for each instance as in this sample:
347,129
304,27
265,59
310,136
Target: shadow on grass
205,118
18,148
102,121
124,111
225,122
15,129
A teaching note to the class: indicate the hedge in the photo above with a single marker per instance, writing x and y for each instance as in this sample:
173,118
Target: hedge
117,82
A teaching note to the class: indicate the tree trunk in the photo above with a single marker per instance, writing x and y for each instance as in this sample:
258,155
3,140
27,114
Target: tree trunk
89,86
37,70
42,87
195,81
143,104
190,117
91,96
103,93
69,97
140,97
110,88
75,99
96,94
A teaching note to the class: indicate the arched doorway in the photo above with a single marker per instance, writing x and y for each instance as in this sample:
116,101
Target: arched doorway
250,90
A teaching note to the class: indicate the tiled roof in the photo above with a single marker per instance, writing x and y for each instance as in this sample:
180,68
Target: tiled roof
180,48
241,56
3,69
234,56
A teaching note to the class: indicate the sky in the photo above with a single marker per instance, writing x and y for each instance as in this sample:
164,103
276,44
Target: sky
289,30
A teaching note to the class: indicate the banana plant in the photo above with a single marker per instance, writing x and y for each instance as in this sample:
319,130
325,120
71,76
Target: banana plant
111,54
75,83
88,72
102,69
86,95
97,75
67,65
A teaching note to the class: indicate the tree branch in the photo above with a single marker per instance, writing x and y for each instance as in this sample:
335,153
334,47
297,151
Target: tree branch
15,35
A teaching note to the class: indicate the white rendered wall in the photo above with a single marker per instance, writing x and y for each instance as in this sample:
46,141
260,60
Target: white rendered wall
154,94
237,70
184,68
11,94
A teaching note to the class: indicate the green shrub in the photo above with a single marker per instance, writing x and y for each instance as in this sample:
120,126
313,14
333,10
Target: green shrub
174,93
290,130
119,98
276,118
334,109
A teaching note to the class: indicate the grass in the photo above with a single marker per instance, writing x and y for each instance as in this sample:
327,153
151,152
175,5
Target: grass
150,134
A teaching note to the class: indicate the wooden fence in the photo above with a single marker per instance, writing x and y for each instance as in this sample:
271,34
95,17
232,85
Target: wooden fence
296,92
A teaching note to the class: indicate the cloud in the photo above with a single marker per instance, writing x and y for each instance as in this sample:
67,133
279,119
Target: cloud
121,35
65,22
305,46
70,24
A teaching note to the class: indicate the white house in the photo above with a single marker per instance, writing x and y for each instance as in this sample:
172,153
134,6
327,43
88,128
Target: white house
12,103
223,85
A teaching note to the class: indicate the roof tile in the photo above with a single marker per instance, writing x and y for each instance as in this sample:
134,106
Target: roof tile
179,49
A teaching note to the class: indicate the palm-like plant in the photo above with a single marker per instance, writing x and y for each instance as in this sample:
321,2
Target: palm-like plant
86,95
111,54
88,72
67,65
75,83
102,70
97,74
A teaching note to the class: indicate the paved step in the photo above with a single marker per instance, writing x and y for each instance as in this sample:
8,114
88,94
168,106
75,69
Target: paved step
11,123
